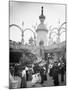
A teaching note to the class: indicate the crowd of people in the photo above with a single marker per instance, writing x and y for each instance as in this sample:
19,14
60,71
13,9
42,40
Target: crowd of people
55,70
52,69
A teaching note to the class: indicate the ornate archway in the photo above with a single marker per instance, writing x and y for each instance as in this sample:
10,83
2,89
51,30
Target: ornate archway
59,29
31,31
28,29
15,25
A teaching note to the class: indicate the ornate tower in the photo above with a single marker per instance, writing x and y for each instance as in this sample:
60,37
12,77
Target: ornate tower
42,30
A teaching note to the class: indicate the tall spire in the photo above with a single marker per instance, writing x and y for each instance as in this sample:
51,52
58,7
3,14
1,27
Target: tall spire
42,17
42,10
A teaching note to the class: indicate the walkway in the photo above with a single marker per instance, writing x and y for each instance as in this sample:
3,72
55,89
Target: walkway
47,83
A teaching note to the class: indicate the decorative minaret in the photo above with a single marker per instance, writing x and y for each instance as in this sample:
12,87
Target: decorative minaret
42,17
42,33
42,30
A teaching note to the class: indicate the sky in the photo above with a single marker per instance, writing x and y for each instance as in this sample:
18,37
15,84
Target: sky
26,15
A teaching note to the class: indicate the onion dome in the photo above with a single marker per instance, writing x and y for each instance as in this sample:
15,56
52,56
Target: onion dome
42,26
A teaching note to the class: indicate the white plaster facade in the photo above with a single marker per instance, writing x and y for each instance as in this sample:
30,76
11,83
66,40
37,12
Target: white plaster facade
42,36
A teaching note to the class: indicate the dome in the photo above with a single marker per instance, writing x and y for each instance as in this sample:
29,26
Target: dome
42,27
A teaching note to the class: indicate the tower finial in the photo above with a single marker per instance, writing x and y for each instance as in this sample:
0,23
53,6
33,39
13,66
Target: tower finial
42,17
42,10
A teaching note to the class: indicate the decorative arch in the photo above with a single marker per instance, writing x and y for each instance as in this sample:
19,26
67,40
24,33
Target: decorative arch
55,28
31,31
15,26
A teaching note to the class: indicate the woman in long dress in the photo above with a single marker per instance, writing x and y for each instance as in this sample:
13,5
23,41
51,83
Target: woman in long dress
23,81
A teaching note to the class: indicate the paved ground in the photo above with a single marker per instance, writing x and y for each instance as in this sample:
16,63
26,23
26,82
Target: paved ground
47,83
